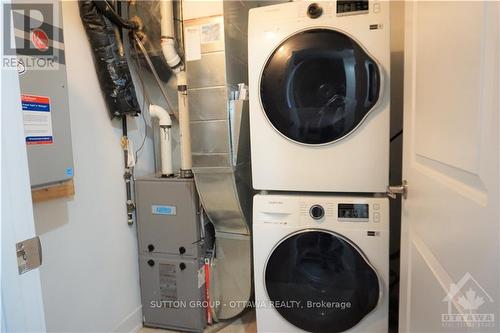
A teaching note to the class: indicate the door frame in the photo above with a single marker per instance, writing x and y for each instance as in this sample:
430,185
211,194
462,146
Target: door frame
21,301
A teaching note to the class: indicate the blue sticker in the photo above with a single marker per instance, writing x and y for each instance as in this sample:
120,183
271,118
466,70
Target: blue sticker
39,139
69,172
163,210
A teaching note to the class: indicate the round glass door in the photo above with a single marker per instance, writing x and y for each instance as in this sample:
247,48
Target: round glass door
320,282
318,86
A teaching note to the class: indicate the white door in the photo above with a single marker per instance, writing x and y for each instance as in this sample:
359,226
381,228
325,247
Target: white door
21,297
450,275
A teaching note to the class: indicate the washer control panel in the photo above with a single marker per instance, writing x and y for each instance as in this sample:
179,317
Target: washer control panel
353,212
347,212
347,7
315,211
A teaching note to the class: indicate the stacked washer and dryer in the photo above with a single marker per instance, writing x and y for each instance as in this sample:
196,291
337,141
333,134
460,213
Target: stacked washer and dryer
319,123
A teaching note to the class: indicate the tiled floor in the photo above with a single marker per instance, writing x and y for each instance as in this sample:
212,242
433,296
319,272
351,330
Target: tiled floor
243,324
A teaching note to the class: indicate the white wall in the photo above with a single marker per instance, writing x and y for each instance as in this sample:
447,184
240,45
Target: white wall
89,276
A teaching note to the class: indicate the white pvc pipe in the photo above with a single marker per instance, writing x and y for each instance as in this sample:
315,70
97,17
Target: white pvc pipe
165,122
185,131
175,62
167,35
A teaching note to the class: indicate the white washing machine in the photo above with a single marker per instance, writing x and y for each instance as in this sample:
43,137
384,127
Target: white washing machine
319,96
321,263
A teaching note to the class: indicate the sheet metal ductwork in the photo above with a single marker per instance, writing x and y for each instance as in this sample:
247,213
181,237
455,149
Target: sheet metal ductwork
109,58
221,141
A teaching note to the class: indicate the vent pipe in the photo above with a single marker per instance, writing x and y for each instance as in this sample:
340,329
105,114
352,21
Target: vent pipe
167,36
165,122
175,62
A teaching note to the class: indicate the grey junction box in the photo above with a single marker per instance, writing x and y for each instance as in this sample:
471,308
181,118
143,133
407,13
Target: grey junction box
45,107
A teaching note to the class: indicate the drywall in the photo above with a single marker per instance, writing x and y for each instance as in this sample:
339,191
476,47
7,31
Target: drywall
90,280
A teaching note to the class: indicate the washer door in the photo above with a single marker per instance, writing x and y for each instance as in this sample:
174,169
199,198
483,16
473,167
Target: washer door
318,86
328,275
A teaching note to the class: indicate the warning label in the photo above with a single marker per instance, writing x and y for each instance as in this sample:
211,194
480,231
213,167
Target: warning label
168,282
37,119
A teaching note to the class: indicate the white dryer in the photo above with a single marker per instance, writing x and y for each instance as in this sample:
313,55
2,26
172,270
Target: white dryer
319,96
321,263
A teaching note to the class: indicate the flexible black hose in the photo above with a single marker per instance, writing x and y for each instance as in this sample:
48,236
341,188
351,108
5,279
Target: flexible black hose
111,66
107,10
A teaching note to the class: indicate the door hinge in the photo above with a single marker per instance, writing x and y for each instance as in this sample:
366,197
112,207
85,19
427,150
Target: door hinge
29,254
393,191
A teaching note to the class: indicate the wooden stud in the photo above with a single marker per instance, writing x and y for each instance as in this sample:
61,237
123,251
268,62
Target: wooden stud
61,190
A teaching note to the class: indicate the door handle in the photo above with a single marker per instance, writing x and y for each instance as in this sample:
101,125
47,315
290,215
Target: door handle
29,254
393,191
372,81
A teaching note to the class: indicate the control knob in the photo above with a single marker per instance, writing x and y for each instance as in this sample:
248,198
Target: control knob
314,11
317,212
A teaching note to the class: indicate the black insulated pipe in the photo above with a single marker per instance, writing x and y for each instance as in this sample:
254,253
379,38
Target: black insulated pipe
107,10
111,65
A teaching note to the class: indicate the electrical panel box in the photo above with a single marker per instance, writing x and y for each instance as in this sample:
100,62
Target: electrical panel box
173,292
44,93
168,216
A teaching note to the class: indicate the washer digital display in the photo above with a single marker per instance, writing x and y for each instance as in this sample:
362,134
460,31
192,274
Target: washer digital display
352,211
351,7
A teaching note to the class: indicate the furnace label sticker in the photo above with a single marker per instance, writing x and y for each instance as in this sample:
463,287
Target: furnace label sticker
211,33
37,119
192,45
168,282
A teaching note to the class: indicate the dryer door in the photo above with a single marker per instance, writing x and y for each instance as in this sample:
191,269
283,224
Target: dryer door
318,86
320,282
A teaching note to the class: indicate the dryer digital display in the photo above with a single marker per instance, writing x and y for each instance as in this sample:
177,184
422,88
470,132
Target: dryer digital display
353,211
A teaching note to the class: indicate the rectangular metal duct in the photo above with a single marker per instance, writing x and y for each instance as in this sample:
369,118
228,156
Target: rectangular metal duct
215,44
216,56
